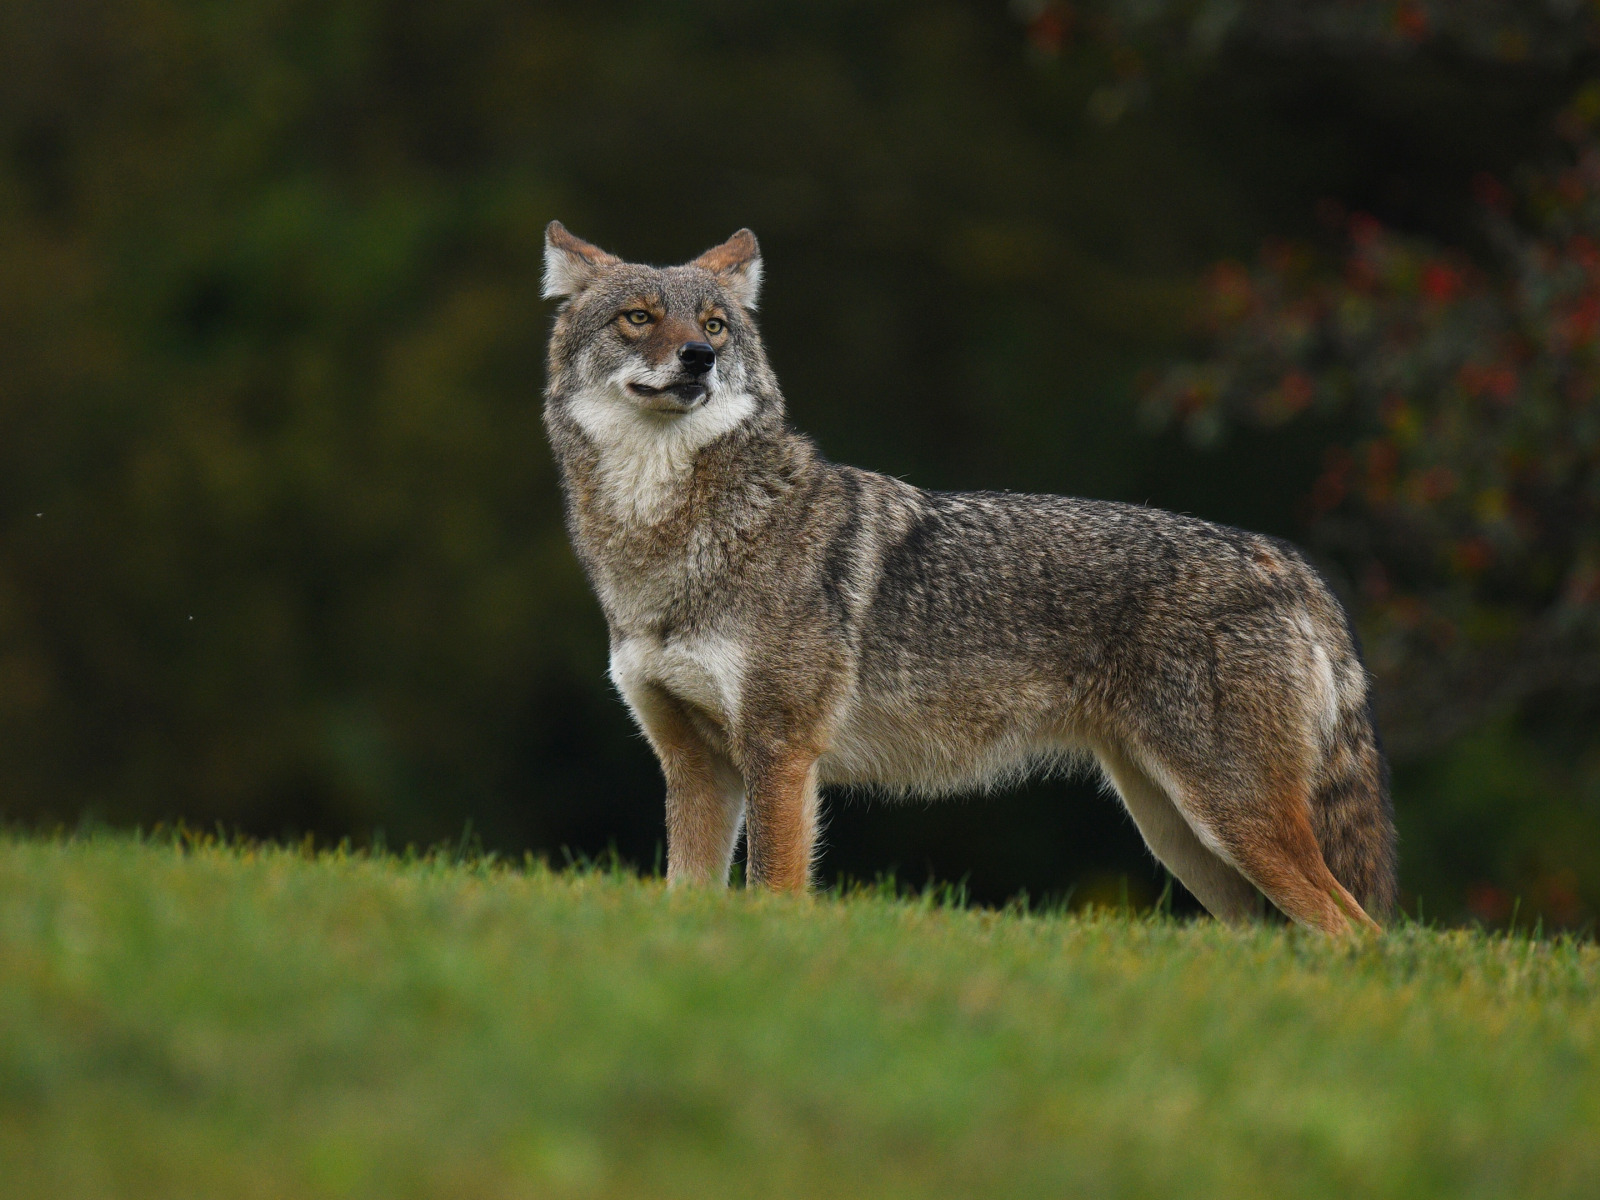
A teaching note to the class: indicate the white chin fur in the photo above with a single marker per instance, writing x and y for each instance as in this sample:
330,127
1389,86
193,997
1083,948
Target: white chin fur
645,455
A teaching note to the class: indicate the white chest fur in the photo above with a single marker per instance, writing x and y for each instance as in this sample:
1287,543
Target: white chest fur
706,671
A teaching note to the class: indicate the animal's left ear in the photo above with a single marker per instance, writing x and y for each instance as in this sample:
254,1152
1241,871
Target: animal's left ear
737,265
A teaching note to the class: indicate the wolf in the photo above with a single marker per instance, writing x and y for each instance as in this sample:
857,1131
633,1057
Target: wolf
780,623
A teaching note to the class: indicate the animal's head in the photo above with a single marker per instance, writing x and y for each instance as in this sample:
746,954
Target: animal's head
669,341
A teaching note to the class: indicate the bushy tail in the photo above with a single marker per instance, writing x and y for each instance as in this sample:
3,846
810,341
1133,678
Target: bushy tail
1352,814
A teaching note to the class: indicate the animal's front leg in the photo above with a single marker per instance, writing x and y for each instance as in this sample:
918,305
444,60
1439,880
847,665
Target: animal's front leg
705,795
781,816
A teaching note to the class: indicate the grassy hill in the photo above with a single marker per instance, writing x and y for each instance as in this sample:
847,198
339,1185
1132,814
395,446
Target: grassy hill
227,1021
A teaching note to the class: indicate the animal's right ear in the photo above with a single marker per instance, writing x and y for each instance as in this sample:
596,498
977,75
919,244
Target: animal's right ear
570,263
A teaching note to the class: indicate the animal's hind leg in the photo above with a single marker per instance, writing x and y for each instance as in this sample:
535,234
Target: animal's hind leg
1227,895
1286,863
1266,832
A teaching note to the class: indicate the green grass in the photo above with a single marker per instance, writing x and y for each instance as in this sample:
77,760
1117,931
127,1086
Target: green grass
217,1021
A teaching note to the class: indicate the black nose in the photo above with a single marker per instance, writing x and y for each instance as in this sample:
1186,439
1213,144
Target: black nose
696,357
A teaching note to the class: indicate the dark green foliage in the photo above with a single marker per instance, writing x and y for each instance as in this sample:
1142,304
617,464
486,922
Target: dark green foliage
279,538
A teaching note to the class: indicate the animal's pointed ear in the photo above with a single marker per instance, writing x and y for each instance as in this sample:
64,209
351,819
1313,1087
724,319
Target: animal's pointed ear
737,265
570,263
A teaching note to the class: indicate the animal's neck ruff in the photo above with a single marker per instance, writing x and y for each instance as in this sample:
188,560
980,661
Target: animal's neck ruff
645,457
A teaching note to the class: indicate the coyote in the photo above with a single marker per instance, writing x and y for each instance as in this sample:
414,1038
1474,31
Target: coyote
780,622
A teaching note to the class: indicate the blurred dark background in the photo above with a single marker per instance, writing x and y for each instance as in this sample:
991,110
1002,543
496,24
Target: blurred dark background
280,539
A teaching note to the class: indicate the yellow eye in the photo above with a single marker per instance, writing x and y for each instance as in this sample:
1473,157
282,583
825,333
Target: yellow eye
715,326
637,316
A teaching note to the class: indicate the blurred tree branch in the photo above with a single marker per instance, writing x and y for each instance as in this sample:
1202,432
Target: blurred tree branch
1545,31
1465,511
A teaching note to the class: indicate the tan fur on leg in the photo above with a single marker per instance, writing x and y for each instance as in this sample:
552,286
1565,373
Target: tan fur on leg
1278,853
781,825
1288,866
1226,894
705,796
